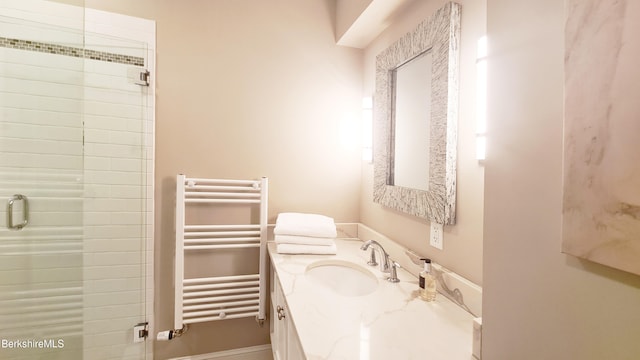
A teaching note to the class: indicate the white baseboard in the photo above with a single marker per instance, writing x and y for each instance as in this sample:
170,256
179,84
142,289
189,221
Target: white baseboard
259,352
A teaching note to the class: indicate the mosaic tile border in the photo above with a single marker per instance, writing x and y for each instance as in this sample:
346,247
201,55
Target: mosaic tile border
70,51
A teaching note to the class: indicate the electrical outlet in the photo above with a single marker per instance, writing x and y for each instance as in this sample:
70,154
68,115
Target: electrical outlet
435,237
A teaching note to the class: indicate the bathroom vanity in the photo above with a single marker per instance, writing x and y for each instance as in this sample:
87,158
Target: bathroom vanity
338,307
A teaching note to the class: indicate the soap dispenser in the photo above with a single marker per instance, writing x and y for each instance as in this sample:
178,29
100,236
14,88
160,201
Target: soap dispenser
427,282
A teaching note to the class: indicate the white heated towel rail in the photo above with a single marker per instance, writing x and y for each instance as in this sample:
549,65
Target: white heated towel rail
220,297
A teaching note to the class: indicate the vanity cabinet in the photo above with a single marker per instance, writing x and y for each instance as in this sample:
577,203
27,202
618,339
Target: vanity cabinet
284,338
389,323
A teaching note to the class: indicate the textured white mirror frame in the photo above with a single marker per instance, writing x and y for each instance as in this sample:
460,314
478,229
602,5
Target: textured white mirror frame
441,34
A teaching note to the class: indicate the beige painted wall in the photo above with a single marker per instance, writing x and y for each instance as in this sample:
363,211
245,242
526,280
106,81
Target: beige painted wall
463,241
246,89
539,303
347,11
285,88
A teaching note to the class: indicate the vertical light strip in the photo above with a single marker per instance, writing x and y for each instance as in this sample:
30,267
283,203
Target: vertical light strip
481,99
367,129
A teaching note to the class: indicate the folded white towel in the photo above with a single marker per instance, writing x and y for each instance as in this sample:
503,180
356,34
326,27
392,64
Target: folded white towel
306,249
302,224
303,240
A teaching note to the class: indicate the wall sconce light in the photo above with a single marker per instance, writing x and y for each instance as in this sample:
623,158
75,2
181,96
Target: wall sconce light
481,99
367,129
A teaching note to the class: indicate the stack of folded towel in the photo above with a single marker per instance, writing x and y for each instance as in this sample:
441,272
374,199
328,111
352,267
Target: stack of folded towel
298,233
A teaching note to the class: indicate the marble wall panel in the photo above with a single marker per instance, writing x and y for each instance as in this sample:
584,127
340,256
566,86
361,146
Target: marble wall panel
601,204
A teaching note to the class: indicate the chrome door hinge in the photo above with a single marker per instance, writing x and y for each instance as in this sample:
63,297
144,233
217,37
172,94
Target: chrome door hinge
144,78
140,332
139,76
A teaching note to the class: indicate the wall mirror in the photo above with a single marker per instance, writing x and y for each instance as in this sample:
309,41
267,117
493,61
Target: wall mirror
411,104
415,114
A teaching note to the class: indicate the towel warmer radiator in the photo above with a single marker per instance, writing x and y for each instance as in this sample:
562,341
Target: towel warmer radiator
222,297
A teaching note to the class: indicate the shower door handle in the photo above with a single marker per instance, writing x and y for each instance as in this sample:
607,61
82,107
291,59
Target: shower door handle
25,212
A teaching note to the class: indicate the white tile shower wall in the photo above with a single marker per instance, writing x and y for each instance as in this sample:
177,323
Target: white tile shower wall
45,12
116,208
118,176
47,96
41,146
42,117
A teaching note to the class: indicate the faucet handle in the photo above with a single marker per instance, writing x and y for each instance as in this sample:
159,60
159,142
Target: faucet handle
393,274
372,259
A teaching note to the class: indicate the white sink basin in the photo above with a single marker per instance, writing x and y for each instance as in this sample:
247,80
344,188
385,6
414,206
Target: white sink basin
342,277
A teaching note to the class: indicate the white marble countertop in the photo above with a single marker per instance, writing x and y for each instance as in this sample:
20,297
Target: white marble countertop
390,323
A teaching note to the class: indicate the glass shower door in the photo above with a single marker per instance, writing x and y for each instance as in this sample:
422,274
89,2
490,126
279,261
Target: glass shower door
75,189
117,205
41,195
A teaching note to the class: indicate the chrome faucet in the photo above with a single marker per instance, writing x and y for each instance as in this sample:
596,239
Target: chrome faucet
386,265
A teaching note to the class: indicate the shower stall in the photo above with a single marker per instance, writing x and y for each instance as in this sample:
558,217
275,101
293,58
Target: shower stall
76,182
